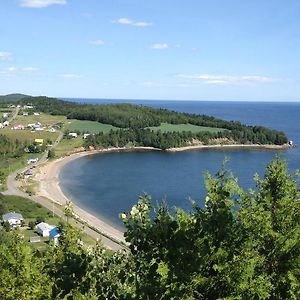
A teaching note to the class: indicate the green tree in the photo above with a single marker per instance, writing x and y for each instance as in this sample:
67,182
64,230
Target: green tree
22,274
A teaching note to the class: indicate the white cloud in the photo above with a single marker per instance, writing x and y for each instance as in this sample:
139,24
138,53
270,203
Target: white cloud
69,76
30,69
12,69
227,79
97,42
160,46
6,56
41,3
125,21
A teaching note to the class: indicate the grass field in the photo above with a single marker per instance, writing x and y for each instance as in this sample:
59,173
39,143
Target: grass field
44,119
29,209
68,145
166,127
90,126
27,135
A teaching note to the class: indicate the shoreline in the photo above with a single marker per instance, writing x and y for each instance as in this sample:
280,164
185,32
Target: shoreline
48,177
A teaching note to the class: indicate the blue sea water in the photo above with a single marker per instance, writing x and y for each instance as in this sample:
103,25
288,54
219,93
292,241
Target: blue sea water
108,184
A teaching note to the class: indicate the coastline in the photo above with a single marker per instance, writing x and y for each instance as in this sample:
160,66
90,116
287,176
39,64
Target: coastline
48,178
230,146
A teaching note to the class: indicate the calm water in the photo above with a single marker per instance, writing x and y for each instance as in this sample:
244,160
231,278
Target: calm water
107,184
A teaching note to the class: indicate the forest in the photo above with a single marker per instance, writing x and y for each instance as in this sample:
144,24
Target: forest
136,119
238,245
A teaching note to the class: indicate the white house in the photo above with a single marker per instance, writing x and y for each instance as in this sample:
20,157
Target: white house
44,229
86,135
1,125
72,135
5,123
5,115
25,113
14,219
36,114
32,160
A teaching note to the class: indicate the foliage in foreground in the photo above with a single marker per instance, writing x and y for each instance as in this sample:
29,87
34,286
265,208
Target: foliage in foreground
240,245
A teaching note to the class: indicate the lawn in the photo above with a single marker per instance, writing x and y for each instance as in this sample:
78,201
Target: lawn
166,127
90,126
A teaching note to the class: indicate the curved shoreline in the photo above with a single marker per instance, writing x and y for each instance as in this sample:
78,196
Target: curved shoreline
48,178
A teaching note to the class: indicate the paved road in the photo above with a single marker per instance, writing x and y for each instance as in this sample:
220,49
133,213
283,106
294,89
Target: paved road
13,186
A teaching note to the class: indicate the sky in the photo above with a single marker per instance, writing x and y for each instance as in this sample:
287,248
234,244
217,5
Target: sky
156,49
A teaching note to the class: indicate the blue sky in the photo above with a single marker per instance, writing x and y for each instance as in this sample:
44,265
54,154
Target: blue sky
155,49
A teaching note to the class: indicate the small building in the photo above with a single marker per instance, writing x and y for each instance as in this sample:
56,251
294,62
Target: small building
54,234
25,113
14,219
36,114
72,135
1,125
52,129
27,106
34,239
44,229
18,127
86,135
39,141
32,160
5,123
5,115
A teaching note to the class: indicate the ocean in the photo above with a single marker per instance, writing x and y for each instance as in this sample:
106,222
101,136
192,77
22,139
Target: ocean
109,184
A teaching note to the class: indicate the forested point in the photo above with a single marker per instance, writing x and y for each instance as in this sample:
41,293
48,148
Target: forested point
239,245
133,122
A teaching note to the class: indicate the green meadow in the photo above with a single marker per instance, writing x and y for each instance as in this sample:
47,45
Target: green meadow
166,127
90,126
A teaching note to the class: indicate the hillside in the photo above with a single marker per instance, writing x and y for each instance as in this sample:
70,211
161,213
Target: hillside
12,97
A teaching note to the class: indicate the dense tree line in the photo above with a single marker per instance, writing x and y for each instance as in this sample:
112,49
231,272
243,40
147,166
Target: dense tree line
239,245
136,117
165,140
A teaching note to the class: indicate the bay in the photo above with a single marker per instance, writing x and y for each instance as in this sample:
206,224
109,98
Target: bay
108,184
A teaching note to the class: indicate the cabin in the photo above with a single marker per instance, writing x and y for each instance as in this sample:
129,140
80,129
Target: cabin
39,141
43,229
14,219
72,135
